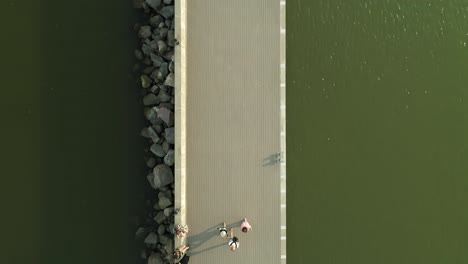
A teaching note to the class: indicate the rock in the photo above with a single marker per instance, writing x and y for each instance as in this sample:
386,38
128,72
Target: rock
153,3
156,207
157,60
146,49
170,228
151,162
169,158
140,233
162,175
169,135
161,230
152,116
166,147
169,55
155,258
164,202
163,70
148,70
167,2
164,97
143,254
170,38
145,81
158,129
167,11
168,211
171,66
168,22
149,132
166,115
151,239
163,33
172,101
162,24
144,32
159,218
163,239
169,80
162,47
155,20
150,99
157,150
154,89
150,178
138,54
147,61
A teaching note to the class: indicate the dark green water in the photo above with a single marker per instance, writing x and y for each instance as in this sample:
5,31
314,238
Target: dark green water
72,169
377,123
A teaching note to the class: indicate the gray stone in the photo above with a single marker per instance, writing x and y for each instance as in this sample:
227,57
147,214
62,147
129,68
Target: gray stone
161,229
146,49
153,3
169,80
164,97
163,239
138,54
151,239
167,11
140,233
170,228
149,132
162,24
150,99
172,101
164,202
169,135
162,175
166,147
156,59
158,128
150,178
144,32
162,47
154,76
143,254
157,207
159,218
163,70
167,2
148,70
171,66
170,38
155,20
166,115
168,55
152,116
155,258
154,89
169,158
168,211
168,22
147,61
151,162
157,150
145,81
163,33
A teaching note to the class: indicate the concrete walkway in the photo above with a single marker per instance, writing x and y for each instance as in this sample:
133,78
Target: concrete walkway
230,124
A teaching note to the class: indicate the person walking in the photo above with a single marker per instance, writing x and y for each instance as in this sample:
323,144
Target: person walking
245,226
181,230
233,241
223,231
179,253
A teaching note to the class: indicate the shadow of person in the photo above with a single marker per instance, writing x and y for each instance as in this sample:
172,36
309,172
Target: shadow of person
193,253
271,160
199,239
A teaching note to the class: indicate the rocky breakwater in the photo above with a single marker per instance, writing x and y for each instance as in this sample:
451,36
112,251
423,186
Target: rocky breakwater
156,77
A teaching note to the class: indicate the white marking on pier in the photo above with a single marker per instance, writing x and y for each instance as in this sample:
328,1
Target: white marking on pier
283,256
283,238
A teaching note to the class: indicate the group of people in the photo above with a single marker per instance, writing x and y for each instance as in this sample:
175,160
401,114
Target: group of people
233,241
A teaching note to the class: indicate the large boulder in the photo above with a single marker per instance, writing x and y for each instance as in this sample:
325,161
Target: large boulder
162,175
